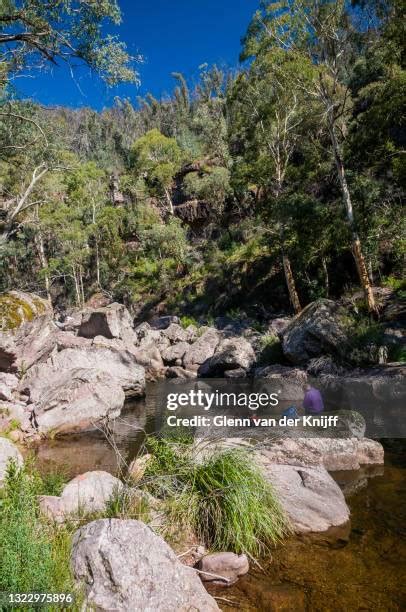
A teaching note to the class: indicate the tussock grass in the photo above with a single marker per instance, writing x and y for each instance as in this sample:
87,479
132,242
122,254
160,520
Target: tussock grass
225,498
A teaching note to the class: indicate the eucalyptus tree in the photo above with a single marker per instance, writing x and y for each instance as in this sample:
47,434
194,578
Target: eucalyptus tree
156,159
325,34
273,117
35,34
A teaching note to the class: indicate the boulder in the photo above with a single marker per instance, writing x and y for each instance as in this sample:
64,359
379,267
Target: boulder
17,307
278,325
31,343
228,565
230,354
89,492
334,454
8,386
124,566
175,333
147,337
71,400
164,322
311,499
318,330
119,365
288,380
202,349
175,352
113,321
8,452
178,372
370,452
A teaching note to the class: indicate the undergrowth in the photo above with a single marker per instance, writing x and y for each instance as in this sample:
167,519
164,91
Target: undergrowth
34,555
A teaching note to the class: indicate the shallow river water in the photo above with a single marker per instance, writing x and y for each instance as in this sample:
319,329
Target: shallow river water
367,572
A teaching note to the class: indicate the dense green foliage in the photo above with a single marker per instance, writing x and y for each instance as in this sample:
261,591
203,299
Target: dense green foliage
203,199
34,555
224,498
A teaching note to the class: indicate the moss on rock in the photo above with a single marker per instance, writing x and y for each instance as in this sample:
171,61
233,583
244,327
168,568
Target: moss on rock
17,308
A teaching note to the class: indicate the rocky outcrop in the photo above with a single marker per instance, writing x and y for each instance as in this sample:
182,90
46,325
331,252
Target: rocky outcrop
124,566
230,354
8,452
202,349
113,321
119,365
30,343
311,499
226,565
68,400
17,308
318,330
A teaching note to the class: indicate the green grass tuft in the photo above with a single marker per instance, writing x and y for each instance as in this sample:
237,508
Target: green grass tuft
225,499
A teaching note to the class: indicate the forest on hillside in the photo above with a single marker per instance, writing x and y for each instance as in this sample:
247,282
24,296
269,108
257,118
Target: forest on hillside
259,189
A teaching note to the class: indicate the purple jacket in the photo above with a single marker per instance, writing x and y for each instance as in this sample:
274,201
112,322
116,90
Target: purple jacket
313,402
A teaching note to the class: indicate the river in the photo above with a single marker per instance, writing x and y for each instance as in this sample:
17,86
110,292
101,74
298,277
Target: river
365,572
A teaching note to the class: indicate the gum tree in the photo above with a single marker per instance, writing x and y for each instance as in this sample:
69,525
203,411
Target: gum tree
323,33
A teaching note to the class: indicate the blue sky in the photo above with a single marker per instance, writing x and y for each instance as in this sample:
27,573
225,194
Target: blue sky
172,35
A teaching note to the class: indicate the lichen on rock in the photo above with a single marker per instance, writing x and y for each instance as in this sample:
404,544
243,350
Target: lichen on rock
17,307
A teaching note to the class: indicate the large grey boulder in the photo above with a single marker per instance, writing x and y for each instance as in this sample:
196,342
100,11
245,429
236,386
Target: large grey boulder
202,349
311,499
72,399
18,307
8,452
175,333
124,566
175,353
31,343
319,329
333,454
113,321
89,492
230,354
120,365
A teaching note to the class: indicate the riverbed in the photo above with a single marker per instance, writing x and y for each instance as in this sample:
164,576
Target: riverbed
366,571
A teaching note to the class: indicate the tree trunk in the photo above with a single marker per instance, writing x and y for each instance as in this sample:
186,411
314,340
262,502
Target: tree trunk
77,287
356,243
326,278
44,263
169,200
97,264
290,282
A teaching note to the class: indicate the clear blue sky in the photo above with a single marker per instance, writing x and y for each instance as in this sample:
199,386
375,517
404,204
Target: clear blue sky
172,35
